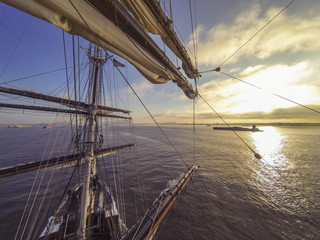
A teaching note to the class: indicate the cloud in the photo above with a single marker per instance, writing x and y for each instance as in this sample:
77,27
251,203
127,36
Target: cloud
142,87
293,114
291,33
263,89
288,34
150,91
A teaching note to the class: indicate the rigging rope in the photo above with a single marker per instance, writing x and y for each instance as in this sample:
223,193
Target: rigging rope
299,192
277,95
152,117
135,93
67,77
193,34
37,191
130,86
185,83
30,211
54,176
254,35
194,129
99,43
29,198
74,86
256,155
57,179
276,206
15,48
36,75
65,63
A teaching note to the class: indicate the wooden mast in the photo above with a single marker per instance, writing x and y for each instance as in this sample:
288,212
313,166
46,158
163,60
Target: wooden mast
90,162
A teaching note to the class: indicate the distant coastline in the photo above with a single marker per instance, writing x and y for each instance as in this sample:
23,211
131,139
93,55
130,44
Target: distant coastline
238,124
274,124
199,124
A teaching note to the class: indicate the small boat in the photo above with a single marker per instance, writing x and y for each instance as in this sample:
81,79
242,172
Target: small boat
17,126
47,126
253,129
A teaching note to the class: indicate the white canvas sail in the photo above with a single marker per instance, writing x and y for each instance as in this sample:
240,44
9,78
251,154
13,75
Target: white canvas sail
150,15
108,24
88,210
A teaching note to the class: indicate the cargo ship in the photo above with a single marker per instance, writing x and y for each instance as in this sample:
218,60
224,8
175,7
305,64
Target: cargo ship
253,129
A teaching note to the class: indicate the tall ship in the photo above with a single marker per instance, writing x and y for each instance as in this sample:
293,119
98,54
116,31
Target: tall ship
80,171
88,209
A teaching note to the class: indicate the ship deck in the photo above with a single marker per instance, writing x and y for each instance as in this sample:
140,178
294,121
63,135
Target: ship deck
103,220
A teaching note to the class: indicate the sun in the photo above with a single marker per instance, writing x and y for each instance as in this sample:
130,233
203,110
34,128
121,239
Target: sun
268,88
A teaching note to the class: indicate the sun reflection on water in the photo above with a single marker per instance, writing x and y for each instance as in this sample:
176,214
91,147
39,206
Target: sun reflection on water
269,171
269,144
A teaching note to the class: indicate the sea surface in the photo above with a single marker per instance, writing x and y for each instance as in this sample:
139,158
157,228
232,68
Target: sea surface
233,195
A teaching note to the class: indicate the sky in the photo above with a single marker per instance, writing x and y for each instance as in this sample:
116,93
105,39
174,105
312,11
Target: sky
279,64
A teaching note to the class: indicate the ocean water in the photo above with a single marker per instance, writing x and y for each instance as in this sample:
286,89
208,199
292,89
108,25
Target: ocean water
232,196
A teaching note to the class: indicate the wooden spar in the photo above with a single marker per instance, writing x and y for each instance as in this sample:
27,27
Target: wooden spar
146,226
15,170
151,16
184,182
128,25
171,39
128,38
62,101
116,13
59,110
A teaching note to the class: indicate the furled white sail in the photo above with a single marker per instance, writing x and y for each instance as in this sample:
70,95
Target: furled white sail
150,15
107,23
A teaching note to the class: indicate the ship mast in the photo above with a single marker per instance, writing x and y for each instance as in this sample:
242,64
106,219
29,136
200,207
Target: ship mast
90,161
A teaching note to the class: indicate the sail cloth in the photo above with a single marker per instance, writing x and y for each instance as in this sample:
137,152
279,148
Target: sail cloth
149,14
108,24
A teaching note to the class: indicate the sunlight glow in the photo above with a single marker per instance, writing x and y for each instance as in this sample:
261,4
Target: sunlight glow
274,165
286,81
269,145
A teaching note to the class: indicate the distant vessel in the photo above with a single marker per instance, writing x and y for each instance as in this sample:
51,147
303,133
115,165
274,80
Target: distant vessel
253,129
47,126
17,126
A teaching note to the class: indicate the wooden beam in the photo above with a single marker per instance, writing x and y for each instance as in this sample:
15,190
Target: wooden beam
19,169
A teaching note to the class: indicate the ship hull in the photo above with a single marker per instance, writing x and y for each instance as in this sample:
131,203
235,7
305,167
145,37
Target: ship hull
237,129
103,220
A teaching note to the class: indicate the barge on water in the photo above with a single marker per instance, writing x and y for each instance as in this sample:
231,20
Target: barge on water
253,129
